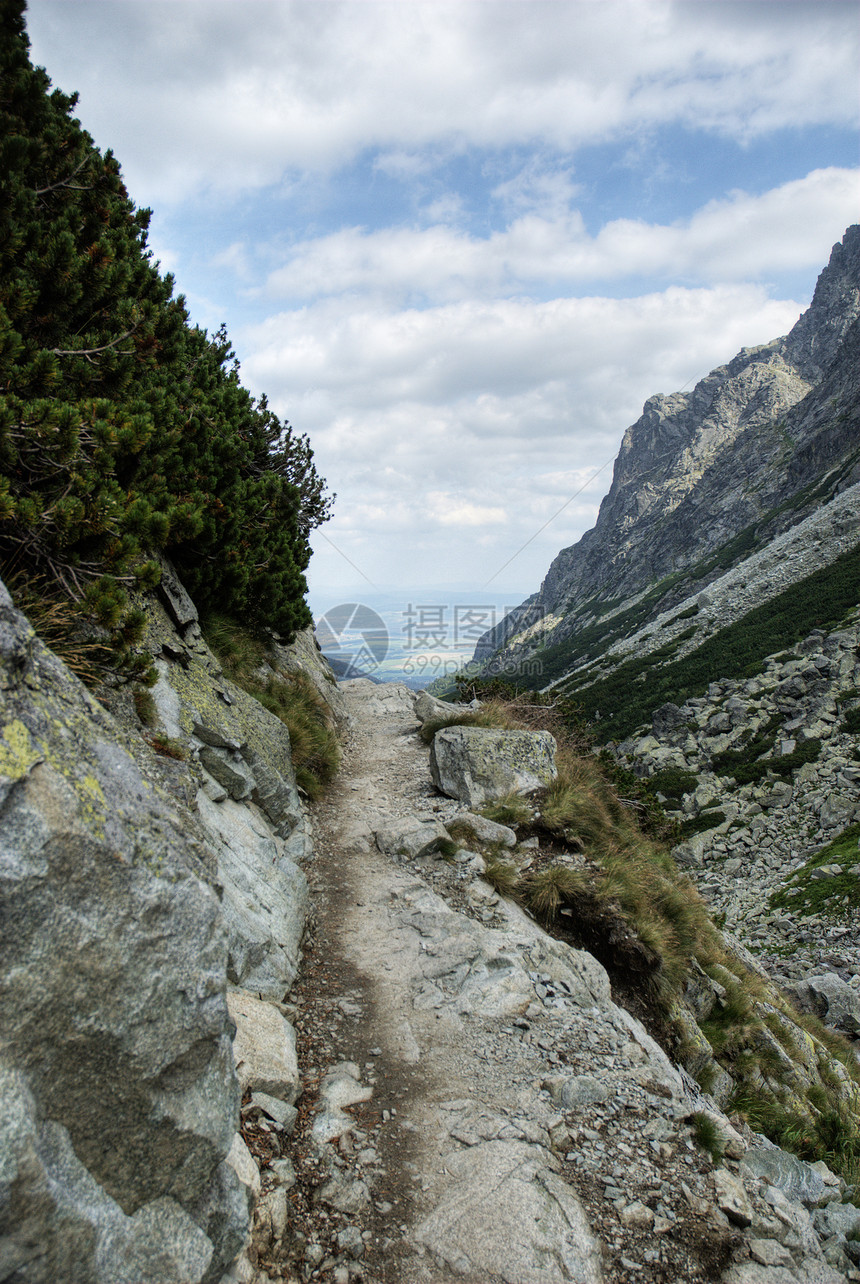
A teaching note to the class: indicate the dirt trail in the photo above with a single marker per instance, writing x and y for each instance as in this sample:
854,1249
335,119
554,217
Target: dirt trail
454,1009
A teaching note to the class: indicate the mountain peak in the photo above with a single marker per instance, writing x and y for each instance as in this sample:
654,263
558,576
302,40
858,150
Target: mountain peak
714,472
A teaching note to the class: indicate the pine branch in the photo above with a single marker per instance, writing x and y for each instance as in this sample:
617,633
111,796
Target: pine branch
94,352
67,182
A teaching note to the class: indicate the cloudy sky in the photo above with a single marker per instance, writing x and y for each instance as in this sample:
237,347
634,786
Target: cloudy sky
459,244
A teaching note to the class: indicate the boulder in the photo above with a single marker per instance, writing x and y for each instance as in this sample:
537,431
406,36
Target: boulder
118,1095
411,837
668,718
264,1047
479,764
831,999
427,707
573,1092
732,1198
485,831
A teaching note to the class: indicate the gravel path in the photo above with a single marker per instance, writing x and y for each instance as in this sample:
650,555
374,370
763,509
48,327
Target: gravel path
476,1107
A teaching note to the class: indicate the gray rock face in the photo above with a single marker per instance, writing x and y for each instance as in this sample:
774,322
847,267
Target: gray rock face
797,1180
249,810
832,999
507,1183
740,448
477,764
119,1097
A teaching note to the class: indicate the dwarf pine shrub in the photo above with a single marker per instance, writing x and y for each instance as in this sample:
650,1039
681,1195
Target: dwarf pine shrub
124,429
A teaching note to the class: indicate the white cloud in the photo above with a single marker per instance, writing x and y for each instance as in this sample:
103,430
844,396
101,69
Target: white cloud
232,96
452,510
519,402
457,392
734,238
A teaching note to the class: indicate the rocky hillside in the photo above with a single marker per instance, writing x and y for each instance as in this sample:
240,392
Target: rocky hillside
703,480
243,1042
763,775
153,902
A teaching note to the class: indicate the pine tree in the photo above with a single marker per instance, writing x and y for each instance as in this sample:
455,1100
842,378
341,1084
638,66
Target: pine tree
124,429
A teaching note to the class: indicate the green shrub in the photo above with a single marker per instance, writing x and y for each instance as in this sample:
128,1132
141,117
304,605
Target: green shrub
673,782
851,721
124,429
702,823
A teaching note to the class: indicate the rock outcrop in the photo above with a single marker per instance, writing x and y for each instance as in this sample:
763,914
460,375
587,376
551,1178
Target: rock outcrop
120,1097
143,877
706,477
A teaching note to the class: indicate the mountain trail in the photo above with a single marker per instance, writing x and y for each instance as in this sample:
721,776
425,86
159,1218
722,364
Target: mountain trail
476,1107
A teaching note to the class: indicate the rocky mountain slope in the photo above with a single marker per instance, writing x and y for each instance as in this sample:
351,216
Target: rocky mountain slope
242,1043
703,480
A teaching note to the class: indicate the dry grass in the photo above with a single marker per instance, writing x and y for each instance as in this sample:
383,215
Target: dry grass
494,715
60,625
628,902
292,697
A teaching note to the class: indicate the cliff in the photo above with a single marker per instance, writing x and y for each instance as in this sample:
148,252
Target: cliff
153,903
705,478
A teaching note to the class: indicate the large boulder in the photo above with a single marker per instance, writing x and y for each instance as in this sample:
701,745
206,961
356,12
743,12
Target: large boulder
427,707
479,764
118,1094
831,999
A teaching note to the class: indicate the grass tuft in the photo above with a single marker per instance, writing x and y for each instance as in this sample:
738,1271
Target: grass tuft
292,697
60,625
144,705
168,747
503,876
706,1134
511,810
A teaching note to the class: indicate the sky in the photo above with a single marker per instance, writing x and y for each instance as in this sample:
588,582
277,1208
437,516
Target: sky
459,244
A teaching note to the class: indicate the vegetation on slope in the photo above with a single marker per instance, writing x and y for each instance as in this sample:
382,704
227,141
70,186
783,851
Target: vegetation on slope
628,697
828,884
124,429
605,882
292,697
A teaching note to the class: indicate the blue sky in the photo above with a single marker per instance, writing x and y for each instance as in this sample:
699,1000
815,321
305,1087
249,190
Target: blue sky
459,244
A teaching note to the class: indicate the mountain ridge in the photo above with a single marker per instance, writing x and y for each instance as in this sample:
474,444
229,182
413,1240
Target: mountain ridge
754,448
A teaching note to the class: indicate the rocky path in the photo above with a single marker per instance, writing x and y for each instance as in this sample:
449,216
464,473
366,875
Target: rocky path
476,1107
